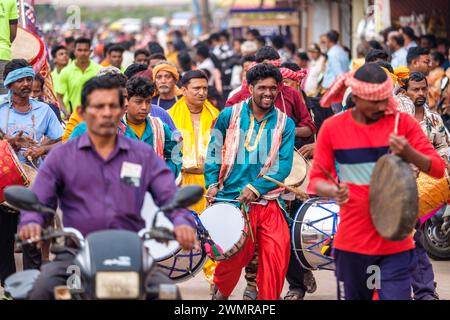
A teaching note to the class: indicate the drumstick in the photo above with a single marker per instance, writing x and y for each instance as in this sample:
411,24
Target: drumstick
325,172
397,117
299,193
226,200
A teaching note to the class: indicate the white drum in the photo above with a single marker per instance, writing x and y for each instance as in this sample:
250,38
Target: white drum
178,264
226,229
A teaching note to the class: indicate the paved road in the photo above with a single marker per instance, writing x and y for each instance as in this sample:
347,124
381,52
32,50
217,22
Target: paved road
198,289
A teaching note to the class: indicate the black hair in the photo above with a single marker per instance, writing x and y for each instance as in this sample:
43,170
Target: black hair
226,34
157,55
155,47
105,82
135,68
249,58
203,52
116,48
291,66
291,47
439,57
385,64
55,50
374,44
141,51
415,77
140,87
185,61
431,38
192,74
206,71
41,80
303,56
254,32
277,42
333,36
414,53
442,41
409,32
83,40
349,102
263,71
14,64
266,53
371,73
106,48
214,37
399,39
69,40
119,78
375,54
261,39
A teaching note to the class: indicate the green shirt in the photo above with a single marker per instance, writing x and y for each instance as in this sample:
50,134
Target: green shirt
72,80
57,83
8,12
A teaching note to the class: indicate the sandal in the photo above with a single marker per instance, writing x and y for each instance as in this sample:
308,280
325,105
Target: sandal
310,282
294,295
250,293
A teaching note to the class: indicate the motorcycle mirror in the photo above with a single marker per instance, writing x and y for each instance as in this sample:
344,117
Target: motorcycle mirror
444,83
185,197
24,199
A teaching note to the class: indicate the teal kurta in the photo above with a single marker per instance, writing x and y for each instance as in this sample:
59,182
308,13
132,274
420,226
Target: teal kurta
173,162
249,164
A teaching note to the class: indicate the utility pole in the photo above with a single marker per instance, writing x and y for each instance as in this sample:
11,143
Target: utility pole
204,9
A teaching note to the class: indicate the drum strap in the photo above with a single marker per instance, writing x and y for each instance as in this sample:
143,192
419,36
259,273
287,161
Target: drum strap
158,135
211,247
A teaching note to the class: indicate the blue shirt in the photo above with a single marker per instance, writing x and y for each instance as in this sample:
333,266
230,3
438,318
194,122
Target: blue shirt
38,122
338,63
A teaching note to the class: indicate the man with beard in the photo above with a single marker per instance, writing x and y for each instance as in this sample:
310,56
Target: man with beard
416,88
166,78
347,144
251,139
25,122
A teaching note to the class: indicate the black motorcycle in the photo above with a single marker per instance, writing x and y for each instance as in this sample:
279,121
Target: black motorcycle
436,236
108,264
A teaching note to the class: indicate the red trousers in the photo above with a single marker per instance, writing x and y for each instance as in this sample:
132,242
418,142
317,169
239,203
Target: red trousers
271,232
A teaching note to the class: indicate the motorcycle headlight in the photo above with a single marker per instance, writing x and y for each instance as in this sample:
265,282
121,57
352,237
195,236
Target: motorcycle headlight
117,285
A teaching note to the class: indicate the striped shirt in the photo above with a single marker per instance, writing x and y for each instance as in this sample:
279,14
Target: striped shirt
354,148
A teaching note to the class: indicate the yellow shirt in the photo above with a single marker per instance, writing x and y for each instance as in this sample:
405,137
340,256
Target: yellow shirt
74,120
138,129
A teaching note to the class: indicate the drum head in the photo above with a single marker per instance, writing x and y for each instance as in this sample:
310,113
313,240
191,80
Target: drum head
394,202
298,172
224,223
314,224
27,46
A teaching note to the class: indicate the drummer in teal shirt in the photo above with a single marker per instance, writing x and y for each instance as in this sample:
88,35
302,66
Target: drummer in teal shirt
251,155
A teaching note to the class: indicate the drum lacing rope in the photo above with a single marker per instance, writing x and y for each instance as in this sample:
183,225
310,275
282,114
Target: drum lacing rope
205,238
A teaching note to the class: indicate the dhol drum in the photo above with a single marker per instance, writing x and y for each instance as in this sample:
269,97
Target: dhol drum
313,230
178,264
299,176
11,170
226,227
30,47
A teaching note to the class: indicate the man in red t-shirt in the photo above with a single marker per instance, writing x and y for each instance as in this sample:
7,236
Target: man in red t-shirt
352,142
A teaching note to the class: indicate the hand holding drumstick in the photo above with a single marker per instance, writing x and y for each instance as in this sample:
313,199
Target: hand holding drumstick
338,191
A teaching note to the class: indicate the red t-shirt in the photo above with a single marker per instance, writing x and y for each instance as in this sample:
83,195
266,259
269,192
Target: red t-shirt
294,105
354,148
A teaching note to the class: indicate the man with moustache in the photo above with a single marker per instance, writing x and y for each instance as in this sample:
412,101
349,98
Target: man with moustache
251,139
416,88
167,93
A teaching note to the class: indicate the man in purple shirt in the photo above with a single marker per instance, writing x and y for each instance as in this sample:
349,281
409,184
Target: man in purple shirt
107,189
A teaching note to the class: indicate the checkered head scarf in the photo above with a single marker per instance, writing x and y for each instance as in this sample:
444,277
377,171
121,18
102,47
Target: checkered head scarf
364,90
